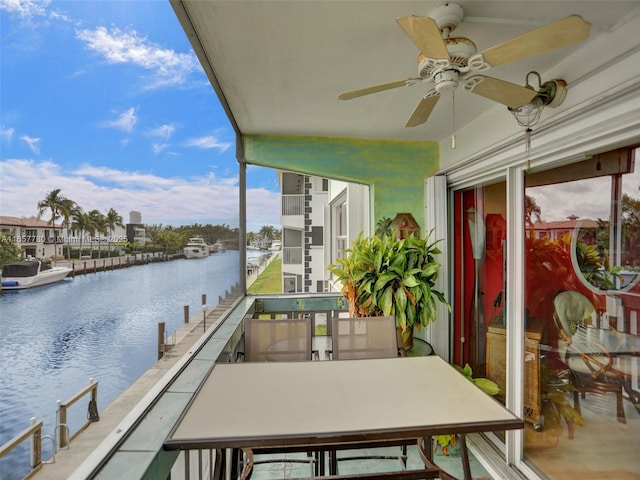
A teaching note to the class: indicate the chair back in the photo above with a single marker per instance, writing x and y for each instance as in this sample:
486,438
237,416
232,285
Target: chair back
267,340
570,310
363,337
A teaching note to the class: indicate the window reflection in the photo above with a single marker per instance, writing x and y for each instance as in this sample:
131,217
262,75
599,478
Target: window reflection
582,246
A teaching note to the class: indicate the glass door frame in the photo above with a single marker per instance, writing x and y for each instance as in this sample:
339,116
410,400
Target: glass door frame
512,447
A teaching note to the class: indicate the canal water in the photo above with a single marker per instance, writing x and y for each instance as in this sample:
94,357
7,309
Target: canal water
100,325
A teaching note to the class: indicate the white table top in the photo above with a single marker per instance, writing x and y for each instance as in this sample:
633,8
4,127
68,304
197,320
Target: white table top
323,403
616,343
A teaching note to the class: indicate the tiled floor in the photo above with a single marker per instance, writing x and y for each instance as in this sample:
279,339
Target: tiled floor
451,464
601,449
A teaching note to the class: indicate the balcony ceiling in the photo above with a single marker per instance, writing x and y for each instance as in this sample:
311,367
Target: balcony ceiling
279,66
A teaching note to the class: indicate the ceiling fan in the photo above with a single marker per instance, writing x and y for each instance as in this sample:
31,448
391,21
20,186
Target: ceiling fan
446,62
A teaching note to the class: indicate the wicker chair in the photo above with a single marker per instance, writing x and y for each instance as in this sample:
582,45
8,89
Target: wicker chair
590,364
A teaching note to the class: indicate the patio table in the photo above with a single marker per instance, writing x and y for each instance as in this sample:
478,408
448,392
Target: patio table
336,404
614,342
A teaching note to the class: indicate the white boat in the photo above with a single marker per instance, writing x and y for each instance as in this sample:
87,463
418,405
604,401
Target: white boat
31,273
219,246
196,248
276,245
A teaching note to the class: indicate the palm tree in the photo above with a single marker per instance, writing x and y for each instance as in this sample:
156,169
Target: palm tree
55,203
267,232
531,212
112,221
79,223
68,208
97,227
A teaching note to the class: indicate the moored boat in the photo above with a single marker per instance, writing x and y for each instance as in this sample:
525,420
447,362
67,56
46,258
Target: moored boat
31,273
196,248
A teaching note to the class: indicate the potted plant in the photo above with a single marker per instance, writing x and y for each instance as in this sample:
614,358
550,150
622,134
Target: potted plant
386,276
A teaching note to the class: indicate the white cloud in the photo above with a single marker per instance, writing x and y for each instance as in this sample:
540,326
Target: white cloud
125,122
33,143
158,147
167,201
169,68
208,142
163,131
25,8
6,134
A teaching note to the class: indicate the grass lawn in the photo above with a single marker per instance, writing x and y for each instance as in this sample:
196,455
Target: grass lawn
270,280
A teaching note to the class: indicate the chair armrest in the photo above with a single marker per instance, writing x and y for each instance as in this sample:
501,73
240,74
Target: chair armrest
594,355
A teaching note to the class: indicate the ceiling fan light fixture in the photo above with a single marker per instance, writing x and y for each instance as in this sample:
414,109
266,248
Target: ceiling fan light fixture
528,114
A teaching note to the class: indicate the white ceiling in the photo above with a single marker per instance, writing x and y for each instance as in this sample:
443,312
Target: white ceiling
280,65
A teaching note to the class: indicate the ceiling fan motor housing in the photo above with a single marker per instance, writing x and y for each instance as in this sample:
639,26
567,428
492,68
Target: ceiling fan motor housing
446,80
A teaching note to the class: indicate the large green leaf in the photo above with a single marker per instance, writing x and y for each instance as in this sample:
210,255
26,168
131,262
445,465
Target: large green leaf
385,280
385,301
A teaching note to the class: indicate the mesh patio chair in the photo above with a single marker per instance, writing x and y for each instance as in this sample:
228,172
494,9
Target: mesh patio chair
267,340
357,338
589,362
282,340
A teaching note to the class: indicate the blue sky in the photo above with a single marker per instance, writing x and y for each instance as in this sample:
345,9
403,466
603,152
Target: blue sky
107,101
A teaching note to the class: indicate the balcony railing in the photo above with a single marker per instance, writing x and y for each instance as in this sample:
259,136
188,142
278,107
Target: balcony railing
292,204
292,255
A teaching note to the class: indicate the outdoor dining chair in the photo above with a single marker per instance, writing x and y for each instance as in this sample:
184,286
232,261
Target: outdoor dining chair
357,338
282,340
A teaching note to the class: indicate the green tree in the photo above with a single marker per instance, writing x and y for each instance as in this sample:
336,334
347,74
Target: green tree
80,224
631,230
532,212
267,232
68,210
112,220
55,203
98,227
9,251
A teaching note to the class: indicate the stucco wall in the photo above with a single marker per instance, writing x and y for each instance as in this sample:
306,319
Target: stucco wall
394,170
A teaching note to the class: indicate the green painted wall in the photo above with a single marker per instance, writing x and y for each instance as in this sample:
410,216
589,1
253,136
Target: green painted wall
394,170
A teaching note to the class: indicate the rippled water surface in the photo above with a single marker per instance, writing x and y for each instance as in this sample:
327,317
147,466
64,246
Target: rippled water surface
102,326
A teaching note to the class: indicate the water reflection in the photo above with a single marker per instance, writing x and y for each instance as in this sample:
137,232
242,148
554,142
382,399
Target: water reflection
102,326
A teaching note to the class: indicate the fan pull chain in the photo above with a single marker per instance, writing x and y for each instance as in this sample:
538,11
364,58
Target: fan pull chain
527,137
453,135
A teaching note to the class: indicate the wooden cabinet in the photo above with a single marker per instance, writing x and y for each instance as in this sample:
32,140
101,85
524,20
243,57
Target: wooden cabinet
497,365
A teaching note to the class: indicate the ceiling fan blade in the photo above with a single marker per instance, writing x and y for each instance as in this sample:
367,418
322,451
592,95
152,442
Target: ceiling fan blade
422,111
565,32
378,88
506,93
424,32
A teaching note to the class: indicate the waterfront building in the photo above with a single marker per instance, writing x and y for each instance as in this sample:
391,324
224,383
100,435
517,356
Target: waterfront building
35,237
319,218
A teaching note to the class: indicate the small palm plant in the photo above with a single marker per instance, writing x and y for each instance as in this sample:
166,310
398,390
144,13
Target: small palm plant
384,276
